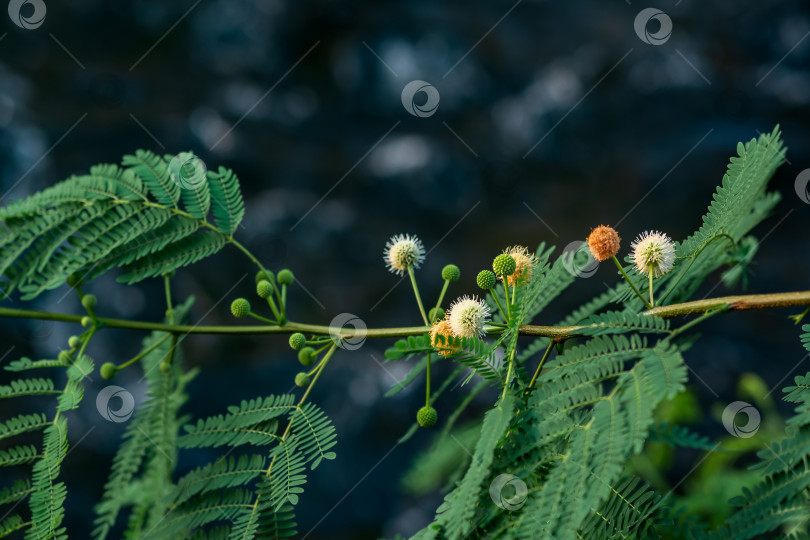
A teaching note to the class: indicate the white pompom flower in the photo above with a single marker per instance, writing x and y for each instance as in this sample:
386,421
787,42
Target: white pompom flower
467,317
654,252
402,252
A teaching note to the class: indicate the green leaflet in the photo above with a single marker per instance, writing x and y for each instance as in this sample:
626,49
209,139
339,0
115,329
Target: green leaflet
141,217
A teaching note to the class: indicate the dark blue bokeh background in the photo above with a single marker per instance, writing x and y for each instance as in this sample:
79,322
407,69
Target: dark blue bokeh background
553,118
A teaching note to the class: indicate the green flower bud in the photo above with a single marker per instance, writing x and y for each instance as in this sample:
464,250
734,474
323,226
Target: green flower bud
74,341
264,288
435,314
285,277
504,265
108,370
73,280
265,275
240,307
65,357
87,321
302,379
451,272
305,356
89,301
486,279
297,341
427,416
165,367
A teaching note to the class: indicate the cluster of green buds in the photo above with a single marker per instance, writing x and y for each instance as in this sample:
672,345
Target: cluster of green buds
309,351
273,289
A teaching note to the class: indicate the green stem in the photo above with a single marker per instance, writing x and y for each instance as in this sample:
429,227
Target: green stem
427,386
260,318
144,352
509,374
441,296
168,289
736,302
546,354
508,302
627,279
418,297
696,321
498,302
650,273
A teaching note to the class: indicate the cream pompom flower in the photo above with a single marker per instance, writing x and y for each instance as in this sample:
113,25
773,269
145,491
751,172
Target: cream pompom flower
403,251
467,317
654,252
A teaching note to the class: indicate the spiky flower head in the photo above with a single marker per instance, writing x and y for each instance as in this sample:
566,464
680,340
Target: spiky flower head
486,279
427,416
451,273
654,252
442,328
297,341
403,251
524,264
240,307
504,265
467,317
264,288
603,242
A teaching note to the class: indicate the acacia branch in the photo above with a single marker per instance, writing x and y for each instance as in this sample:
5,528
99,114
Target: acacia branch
557,333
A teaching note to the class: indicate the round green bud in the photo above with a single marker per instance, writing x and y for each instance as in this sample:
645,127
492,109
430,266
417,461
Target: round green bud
265,275
74,341
108,370
305,356
165,367
73,280
504,265
436,314
427,416
264,288
486,279
285,277
297,341
89,301
65,357
451,272
302,379
240,307
87,321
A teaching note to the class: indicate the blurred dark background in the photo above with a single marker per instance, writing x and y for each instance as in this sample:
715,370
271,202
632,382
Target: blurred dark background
553,118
